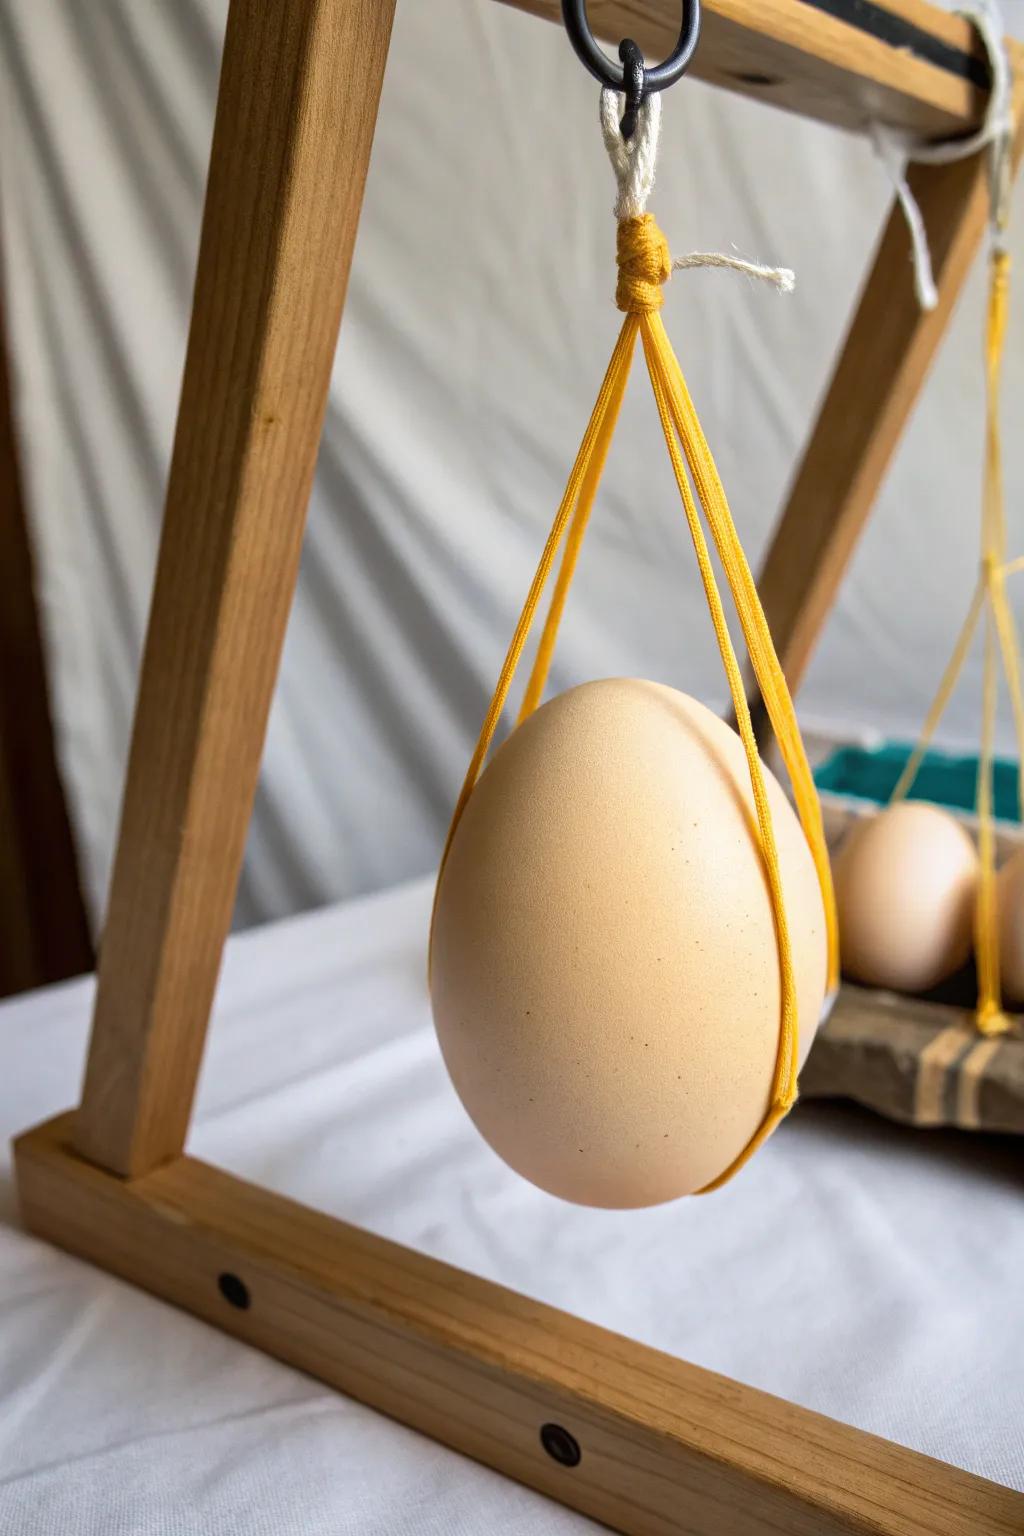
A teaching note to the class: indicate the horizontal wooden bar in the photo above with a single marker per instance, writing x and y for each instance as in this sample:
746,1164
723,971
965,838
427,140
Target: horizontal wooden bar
821,60
665,1447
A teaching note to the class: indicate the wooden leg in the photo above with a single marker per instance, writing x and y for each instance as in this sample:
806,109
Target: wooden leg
298,99
885,359
645,1443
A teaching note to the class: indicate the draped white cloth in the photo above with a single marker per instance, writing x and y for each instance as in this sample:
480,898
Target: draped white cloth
869,1272
478,325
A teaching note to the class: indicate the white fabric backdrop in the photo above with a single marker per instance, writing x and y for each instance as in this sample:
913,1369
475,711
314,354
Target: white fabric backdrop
478,324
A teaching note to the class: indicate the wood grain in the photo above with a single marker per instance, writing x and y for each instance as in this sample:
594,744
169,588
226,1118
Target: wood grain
790,55
44,932
666,1447
298,97
889,348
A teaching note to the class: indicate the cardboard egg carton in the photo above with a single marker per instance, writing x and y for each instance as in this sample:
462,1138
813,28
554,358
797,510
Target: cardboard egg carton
918,1060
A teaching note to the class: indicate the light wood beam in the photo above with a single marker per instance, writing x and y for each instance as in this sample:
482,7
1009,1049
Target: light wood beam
816,62
665,1448
295,117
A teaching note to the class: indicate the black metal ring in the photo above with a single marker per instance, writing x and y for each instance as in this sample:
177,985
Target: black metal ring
634,85
659,76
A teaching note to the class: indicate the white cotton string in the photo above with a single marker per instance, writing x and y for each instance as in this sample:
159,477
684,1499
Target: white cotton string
893,153
782,278
896,150
633,161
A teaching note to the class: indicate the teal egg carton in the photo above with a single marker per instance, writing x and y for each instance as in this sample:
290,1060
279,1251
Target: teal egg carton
950,780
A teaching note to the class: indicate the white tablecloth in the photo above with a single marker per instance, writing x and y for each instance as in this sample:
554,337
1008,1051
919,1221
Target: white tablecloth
872,1273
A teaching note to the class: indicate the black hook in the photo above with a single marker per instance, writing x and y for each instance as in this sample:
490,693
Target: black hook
634,84
622,77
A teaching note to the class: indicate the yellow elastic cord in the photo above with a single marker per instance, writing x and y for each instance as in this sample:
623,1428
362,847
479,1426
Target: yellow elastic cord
945,692
783,1089
582,481
988,1014
770,677
567,569
1000,641
644,265
1006,629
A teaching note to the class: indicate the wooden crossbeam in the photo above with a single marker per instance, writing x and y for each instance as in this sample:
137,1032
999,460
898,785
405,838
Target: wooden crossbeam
664,1447
904,63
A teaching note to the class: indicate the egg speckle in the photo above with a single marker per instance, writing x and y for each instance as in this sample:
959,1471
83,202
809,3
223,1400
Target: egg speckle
905,884
605,974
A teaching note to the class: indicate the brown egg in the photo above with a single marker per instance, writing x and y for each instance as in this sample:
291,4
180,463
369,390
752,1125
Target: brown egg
605,977
1010,906
905,885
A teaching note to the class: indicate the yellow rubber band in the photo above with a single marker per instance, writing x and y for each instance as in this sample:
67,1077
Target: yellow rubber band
644,265
1001,641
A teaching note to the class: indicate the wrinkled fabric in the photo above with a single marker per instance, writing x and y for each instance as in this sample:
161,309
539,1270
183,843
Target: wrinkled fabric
891,1302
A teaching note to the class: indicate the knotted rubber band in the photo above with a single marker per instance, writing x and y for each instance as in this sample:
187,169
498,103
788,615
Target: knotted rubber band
989,597
1001,640
644,265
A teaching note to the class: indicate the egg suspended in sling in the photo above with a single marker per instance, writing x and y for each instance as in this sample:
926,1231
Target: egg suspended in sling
605,975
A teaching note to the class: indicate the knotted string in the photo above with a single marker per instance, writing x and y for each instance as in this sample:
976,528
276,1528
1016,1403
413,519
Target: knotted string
1000,641
989,598
644,265
896,150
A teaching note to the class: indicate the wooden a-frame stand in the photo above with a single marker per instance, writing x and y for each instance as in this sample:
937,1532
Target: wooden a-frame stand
662,1446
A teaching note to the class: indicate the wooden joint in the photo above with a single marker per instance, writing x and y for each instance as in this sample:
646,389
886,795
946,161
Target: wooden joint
643,1442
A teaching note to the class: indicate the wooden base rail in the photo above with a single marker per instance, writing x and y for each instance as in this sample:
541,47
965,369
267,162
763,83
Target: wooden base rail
641,1441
